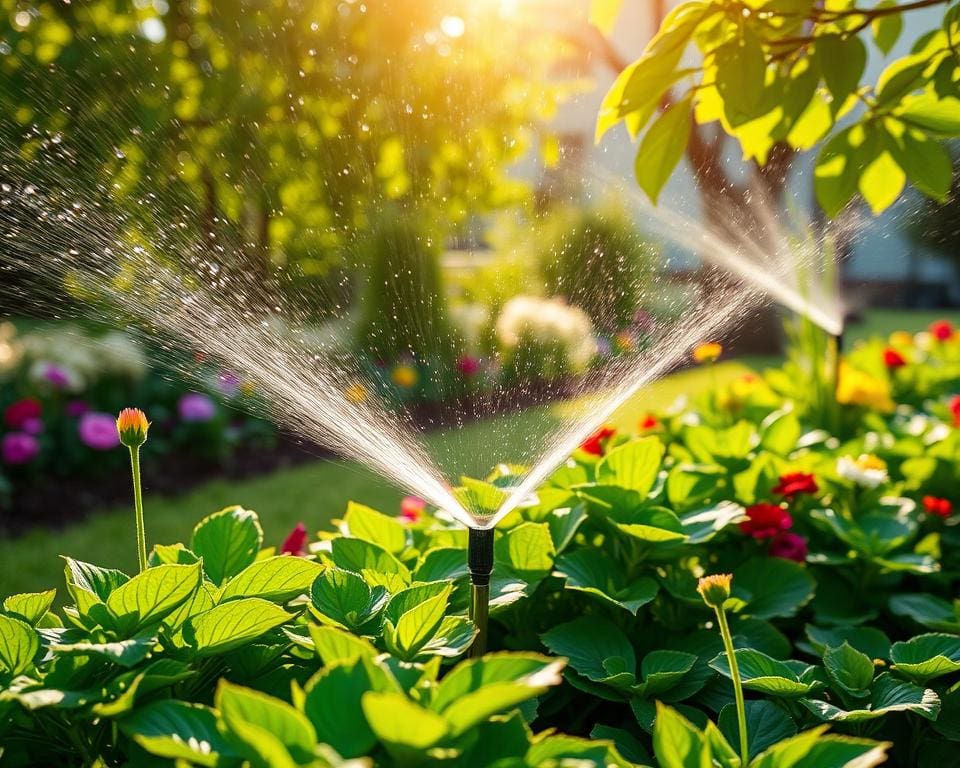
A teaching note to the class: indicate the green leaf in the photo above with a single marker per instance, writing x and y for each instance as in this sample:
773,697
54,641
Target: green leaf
634,465
662,669
413,616
493,668
815,749
29,606
335,645
344,599
365,557
888,695
98,581
886,29
126,689
597,648
849,670
452,638
701,525
256,721
741,74
842,60
527,549
759,672
926,111
228,541
592,571
662,147
928,610
177,730
368,524
772,587
19,644
882,180
780,432
126,653
839,166
767,724
148,597
926,162
867,640
653,524
232,625
332,703
899,78
691,484
405,728
480,497
277,579
925,657
677,743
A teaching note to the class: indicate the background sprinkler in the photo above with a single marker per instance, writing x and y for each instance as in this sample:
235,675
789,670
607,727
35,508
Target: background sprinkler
480,565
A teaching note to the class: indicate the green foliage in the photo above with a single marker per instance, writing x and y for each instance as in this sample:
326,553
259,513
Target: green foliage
789,73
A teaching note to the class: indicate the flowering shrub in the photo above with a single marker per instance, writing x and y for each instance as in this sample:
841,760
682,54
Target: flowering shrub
835,643
60,389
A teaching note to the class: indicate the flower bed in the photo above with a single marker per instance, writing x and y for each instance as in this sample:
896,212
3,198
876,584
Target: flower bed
618,636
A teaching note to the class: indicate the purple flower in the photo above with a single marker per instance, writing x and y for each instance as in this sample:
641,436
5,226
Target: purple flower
19,448
33,426
55,375
195,407
76,408
228,383
98,431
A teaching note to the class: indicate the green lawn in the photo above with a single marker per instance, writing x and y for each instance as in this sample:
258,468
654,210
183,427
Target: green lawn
319,491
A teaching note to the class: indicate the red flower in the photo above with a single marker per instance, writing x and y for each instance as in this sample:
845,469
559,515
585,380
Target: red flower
955,409
295,544
789,546
594,443
649,422
893,359
941,330
468,365
937,506
22,411
766,520
794,483
411,508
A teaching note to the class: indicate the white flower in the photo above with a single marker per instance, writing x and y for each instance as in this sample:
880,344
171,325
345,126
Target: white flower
549,325
867,470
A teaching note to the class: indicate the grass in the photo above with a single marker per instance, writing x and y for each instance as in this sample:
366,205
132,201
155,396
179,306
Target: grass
317,492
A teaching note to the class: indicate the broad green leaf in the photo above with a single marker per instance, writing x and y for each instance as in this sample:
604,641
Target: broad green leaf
926,111
925,161
882,181
254,718
653,524
701,525
662,147
849,670
767,724
677,743
925,657
480,497
452,637
335,645
368,524
502,667
232,625
171,554
596,648
332,703
592,571
812,124
125,690
780,432
408,629
527,549
98,581
842,60
228,541
344,599
886,29
759,672
741,74
177,730
634,465
930,611
887,695
899,78
277,579
363,556
405,728
662,669
126,653
816,749
691,484
19,644
29,606
772,587
839,165
867,640
442,564
151,595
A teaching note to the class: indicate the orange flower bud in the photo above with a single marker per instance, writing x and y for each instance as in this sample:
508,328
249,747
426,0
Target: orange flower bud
715,589
132,426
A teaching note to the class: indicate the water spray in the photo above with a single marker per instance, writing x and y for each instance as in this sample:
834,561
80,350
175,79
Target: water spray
480,565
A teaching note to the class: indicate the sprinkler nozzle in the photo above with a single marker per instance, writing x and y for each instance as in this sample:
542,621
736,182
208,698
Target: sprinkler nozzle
480,565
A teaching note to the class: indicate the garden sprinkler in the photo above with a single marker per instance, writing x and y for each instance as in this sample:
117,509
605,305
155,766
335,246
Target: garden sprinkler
480,565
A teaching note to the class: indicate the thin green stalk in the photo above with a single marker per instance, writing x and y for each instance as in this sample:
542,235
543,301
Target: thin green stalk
138,509
737,686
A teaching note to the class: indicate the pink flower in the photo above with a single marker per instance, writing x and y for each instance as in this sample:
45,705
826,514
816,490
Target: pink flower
19,448
296,542
76,408
196,408
468,365
22,410
228,383
411,507
98,431
55,375
766,520
33,426
789,546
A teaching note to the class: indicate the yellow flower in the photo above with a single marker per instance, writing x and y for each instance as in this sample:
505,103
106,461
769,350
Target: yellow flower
247,387
859,388
707,353
132,426
356,393
624,342
715,589
405,376
901,339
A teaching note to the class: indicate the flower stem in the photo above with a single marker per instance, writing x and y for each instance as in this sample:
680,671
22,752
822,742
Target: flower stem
138,509
737,686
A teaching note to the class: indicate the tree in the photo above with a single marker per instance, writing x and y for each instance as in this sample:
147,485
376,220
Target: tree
786,75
